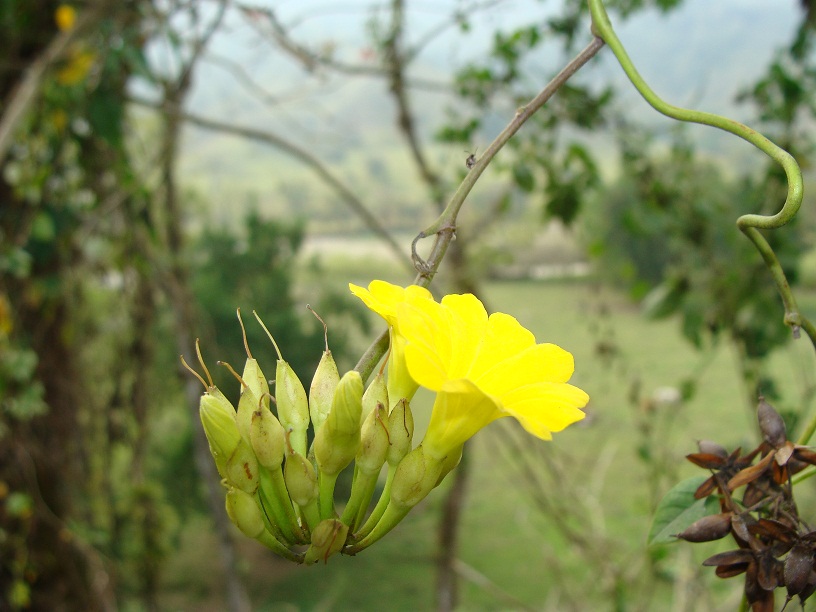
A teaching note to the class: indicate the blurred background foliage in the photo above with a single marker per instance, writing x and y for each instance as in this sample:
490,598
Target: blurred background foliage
116,252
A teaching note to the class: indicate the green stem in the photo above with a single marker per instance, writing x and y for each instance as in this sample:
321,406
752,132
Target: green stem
808,433
808,472
274,504
271,542
325,495
749,224
382,504
282,493
311,514
362,489
391,517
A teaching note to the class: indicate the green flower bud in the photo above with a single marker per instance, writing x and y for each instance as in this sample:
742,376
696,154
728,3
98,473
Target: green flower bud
242,469
401,431
301,479
256,381
337,441
293,407
374,442
218,418
328,538
375,394
416,475
247,405
321,392
244,513
450,461
267,438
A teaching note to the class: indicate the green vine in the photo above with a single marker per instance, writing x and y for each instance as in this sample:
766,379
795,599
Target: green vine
749,224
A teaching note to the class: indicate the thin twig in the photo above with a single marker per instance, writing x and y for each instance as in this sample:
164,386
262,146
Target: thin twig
297,152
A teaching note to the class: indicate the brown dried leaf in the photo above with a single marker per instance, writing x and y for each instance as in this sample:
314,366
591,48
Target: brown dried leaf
761,600
805,454
705,489
708,461
798,566
753,494
773,530
730,557
780,473
750,473
768,572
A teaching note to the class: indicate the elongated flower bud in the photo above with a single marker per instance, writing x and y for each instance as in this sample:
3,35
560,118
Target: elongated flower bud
327,538
242,469
337,441
301,479
416,476
267,438
247,405
400,431
293,407
375,394
374,441
449,463
218,418
254,377
244,513
321,392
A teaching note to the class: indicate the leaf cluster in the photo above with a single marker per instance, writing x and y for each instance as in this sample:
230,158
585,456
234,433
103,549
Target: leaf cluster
666,231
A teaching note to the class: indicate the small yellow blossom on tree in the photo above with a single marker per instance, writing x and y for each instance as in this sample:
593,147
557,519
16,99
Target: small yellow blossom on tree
65,17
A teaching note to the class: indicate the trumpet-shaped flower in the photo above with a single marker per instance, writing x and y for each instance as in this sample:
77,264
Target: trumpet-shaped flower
482,369
384,298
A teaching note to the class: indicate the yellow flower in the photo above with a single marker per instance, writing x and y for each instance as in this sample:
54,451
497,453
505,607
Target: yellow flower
79,64
482,369
384,298
65,16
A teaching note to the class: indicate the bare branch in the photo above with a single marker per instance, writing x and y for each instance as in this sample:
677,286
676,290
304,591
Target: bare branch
346,194
312,60
395,63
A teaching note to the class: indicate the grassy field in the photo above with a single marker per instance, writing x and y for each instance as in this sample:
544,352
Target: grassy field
550,526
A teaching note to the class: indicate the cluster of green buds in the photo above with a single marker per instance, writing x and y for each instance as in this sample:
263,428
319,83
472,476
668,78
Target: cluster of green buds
280,490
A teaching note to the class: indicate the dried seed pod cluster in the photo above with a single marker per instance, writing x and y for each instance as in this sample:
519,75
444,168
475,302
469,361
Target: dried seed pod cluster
775,547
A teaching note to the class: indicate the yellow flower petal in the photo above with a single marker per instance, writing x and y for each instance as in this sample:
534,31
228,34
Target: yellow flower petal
545,407
383,297
428,350
504,337
467,320
540,362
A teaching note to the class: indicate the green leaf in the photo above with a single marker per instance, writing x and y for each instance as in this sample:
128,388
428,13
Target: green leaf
678,510
523,177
